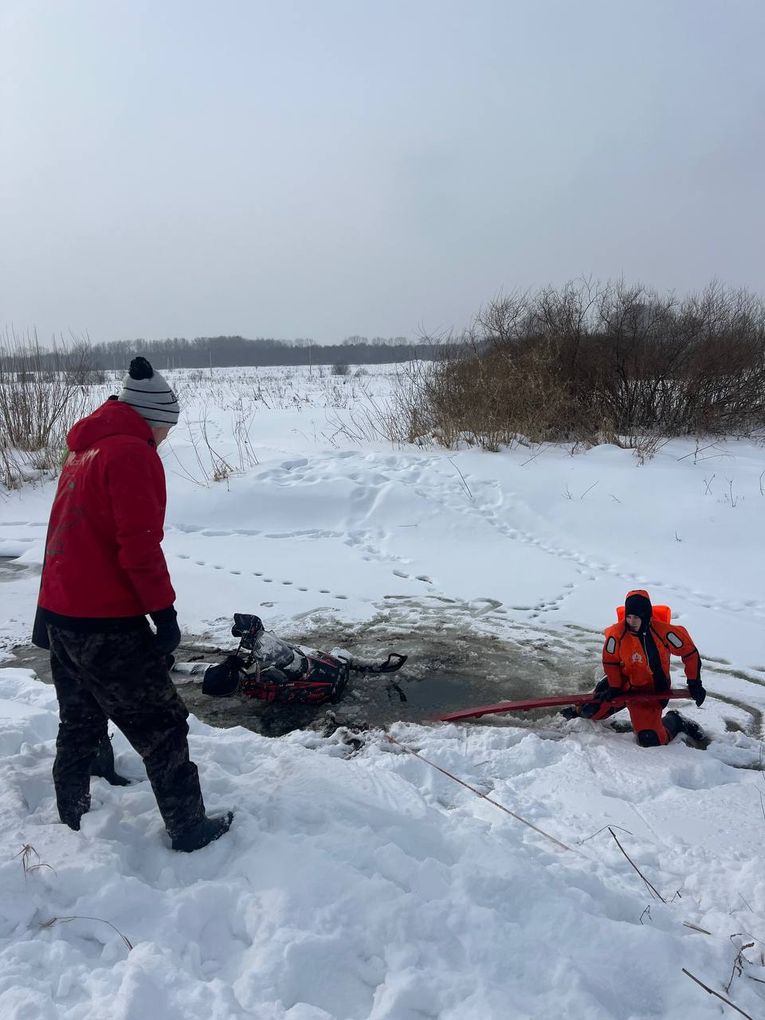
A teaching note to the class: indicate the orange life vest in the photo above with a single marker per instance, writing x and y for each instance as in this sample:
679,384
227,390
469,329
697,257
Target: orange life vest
625,658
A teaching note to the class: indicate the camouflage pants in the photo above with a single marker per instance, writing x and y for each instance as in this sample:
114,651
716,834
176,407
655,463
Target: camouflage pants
122,677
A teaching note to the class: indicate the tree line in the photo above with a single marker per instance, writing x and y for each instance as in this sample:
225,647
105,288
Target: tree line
238,351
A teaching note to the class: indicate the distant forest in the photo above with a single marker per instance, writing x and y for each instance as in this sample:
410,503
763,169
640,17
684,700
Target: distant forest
235,351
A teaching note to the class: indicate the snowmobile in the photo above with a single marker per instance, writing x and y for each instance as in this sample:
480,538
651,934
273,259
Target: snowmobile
269,669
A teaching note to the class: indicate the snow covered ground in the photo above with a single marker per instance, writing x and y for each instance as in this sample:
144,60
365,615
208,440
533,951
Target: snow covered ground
358,881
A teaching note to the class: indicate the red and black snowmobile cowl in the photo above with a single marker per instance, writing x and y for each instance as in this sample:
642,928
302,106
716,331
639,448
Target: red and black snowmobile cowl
323,679
268,669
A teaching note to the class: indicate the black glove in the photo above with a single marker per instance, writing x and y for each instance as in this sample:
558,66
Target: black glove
40,631
168,633
697,692
604,692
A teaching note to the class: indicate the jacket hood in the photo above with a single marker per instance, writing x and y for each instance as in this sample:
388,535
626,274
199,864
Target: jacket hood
112,418
638,603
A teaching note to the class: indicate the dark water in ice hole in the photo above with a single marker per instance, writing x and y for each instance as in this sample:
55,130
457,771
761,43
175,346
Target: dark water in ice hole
449,668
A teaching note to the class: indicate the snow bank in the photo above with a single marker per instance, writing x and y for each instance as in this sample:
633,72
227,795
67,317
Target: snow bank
367,884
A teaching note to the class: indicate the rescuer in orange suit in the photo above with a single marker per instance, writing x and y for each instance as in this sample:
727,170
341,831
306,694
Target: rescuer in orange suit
636,658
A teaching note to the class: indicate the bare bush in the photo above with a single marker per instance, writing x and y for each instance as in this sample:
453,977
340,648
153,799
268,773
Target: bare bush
42,394
590,363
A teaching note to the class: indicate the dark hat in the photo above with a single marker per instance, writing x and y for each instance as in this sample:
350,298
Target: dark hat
638,603
149,393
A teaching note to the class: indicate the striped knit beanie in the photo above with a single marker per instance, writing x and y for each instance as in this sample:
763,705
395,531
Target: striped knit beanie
149,393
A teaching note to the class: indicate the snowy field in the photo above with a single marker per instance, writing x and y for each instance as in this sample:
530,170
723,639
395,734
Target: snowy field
358,881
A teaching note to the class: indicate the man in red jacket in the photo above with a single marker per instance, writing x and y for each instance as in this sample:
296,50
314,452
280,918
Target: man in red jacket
104,572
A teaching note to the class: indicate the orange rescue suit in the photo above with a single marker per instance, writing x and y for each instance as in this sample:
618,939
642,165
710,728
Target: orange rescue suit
625,659
627,667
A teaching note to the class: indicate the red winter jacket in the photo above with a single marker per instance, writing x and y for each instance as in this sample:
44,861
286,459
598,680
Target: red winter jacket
103,557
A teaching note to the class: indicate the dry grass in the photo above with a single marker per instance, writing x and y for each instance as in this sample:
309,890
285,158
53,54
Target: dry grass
30,860
83,917
42,394
592,363
30,863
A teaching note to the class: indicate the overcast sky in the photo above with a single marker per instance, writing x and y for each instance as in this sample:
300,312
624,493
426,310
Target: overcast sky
319,168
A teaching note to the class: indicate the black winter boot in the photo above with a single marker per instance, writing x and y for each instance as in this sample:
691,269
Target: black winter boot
103,765
675,723
72,805
209,829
